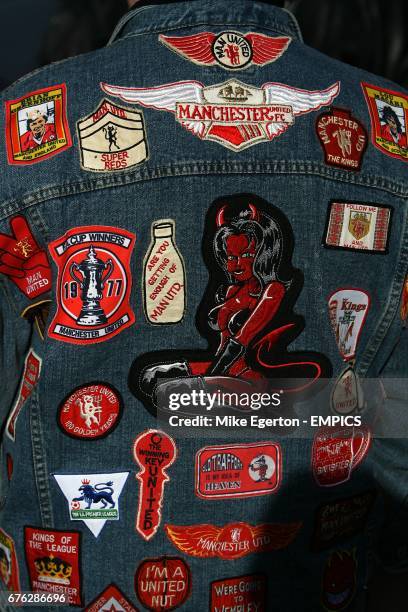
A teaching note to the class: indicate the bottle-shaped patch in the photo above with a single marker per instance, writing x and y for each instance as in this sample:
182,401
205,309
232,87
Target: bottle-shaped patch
164,276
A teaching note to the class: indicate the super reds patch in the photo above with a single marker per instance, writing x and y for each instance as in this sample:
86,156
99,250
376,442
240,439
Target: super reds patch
234,114
337,451
339,580
9,571
358,226
90,411
94,283
112,138
154,451
31,374
53,562
22,260
163,584
238,470
389,118
348,309
343,138
231,541
230,50
37,126
111,600
246,593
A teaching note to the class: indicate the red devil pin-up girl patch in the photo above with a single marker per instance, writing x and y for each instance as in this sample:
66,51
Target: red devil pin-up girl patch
246,313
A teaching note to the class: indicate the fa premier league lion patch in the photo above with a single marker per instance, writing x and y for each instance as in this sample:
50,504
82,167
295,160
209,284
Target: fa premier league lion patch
112,138
37,126
389,118
233,114
231,50
94,283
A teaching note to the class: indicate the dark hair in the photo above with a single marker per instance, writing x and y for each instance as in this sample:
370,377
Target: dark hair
389,113
30,121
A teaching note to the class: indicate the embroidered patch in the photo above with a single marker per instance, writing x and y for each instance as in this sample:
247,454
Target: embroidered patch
111,600
9,466
112,138
231,541
163,583
22,260
94,283
37,126
358,227
337,451
246,313
341,519
230,50
343,138
154,451
348,309
389,118
233,114
31,374
339,580
54,560
90,411
238,470
164,279
404,301
347,394
246,593
9,571
85,491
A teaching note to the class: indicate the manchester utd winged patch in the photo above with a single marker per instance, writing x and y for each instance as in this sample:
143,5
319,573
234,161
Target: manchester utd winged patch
232,113
230,50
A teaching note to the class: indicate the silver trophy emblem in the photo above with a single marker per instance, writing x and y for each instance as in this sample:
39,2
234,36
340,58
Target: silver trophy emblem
91,284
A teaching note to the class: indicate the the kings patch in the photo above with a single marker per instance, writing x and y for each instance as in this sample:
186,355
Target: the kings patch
9,571
94,283
93,498
238,470
37,126
234,114
389,118
112,138
230,50
358,226
31,374
111,600
348,309
343,138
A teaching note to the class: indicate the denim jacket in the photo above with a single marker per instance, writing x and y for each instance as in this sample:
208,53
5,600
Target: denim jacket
206,203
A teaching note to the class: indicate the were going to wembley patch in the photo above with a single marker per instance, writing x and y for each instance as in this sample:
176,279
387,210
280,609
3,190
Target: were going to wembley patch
37,126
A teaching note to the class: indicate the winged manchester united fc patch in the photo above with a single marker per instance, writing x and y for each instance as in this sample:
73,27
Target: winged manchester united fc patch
232,113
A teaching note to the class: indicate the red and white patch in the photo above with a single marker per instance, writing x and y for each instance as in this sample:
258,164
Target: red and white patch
154,451
9,572
238,470
22,260
347,394
232,541
230,50
357,226
163,584
389,120
94,283
233,114
246,593
37,126
348,309
337,451
90,411
404,302
53,562
111,600
31,374
343,138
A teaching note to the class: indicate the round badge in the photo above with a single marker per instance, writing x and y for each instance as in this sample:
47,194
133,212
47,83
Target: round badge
90,411
232,50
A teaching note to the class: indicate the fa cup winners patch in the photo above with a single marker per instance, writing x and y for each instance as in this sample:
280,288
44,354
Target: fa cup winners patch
37,126
112,138
230,50
343,138
94,283
233,114
389,118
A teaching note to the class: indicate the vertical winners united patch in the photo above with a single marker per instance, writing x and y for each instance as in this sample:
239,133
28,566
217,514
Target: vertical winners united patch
112,138
37,126
94,283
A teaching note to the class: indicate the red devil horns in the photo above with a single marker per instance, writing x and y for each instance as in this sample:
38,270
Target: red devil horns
220,220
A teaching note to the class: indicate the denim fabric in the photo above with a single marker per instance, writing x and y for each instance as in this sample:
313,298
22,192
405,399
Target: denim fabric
180,179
